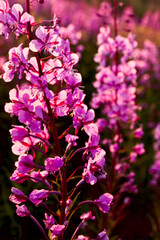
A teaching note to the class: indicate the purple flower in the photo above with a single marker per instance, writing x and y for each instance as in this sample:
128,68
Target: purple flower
18,63
47,40
25,163
4,17
49,221
139,148
22,211
38,176
74,80
18,21
18,196
87,216
56,231
104,201
18,133
71,139
53,164
19,177
37,196
102,236
132,156
88,175
114,147
82,237
138,133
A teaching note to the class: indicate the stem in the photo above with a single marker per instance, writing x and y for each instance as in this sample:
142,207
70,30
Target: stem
81,167
64,198
112,175
48,209
77,229
39,226
54,131
53,127
114,162
115,17
76,187
82,203
115,33
78,150
116,58
28,6
57,193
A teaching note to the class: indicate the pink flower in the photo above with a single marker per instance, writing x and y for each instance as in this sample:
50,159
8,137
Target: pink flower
71,139
47,40
139,148
18,133
4,17
114,147
18,63
38,176
19,177
138,133
82,237
17,196
102,236
74,80
25,163
49,221
18,21
88,175
53,164
87,216
22,211
104,201
37,196
132,156
56,230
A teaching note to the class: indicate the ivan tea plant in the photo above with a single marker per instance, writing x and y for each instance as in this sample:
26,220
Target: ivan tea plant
116,85
49,89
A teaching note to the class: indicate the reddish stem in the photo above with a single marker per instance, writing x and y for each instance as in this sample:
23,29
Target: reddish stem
115,7
116,59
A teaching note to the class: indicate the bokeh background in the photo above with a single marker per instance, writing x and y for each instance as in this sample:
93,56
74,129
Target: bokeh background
141,219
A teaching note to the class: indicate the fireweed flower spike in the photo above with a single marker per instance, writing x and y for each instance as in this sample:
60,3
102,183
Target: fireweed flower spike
115,83
48,89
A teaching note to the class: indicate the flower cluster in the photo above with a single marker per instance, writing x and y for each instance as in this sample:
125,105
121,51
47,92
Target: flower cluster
49,89
147,64
115,85
13,19
155,168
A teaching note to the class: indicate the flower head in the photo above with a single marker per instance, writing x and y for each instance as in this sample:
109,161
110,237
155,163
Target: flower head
17,196
37,196
104,201
53,164
56,230
22,211
49,221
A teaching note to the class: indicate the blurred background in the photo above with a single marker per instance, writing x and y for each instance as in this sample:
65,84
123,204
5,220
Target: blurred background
141,219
